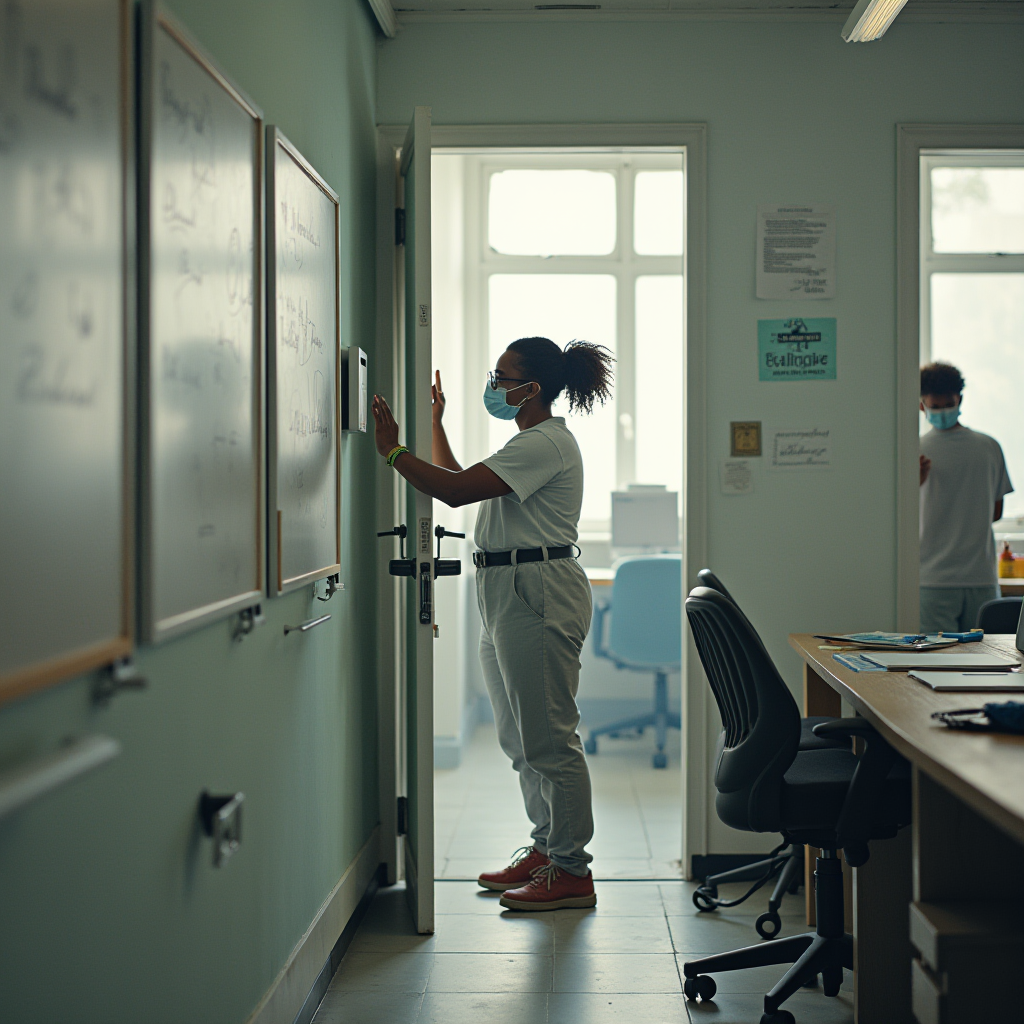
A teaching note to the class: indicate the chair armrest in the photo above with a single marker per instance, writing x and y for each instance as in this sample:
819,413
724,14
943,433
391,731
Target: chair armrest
873,766
844,728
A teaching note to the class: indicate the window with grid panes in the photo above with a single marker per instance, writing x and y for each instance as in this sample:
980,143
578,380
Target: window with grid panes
972,293
590,247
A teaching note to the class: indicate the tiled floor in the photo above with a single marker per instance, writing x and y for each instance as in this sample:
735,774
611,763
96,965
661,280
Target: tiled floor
479,816
619,962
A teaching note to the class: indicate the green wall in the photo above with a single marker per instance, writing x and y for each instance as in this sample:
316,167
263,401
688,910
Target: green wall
794,115
110,910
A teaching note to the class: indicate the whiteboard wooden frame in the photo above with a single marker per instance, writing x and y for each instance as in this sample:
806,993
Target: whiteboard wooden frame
154,18
276,585
65,666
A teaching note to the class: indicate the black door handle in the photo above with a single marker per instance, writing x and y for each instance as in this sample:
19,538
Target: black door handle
446,566
400,566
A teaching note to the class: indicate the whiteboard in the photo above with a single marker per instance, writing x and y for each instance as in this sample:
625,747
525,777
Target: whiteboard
65,517
303,368
201,330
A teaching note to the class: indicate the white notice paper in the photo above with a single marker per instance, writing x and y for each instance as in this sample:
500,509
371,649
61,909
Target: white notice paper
736,476
796,252
810,448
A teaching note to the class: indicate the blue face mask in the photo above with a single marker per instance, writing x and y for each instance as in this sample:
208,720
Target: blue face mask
943,419
495,404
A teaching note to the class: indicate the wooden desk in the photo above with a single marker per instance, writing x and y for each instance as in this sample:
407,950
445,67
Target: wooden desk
968,828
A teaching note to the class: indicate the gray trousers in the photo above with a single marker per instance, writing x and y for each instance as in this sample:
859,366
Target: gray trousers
536,617
953,609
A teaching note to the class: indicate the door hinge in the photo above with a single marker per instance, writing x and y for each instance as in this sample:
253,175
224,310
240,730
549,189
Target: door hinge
399,227
403,815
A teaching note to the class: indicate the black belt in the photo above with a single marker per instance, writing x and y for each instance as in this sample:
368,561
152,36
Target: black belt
482,559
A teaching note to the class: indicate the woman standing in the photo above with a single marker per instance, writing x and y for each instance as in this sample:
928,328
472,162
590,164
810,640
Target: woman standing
535,601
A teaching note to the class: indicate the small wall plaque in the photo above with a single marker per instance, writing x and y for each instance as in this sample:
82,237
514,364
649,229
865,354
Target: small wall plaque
745,439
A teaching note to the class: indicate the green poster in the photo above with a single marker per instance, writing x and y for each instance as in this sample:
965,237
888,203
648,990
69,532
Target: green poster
797,349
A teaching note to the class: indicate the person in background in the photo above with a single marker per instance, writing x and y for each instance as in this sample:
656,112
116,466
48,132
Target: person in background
963,483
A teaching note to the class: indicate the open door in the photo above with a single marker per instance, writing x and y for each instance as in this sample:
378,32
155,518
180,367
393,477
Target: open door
414,234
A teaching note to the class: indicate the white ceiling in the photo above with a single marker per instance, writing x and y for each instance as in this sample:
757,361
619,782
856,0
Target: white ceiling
622,10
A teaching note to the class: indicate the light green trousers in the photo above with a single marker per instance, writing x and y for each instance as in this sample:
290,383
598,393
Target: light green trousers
535,620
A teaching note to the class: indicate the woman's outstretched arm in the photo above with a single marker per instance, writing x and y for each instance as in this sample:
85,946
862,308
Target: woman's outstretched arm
453,487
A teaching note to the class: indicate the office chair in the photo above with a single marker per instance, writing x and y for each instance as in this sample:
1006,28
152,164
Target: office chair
789,861
827,798
1000,615
645,636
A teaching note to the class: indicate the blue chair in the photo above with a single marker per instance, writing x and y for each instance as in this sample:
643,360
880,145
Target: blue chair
645,635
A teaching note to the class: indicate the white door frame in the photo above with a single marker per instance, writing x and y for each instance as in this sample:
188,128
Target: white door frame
911,139
692,139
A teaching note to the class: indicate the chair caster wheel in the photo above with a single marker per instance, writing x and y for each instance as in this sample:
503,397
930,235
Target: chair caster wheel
778,1017
660,760
768,925
831,980
704,897
590,745
703,986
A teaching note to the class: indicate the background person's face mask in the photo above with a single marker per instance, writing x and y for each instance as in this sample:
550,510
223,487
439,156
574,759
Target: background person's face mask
497,406
943,419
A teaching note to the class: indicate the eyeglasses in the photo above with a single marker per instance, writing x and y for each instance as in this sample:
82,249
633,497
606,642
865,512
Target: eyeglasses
497,382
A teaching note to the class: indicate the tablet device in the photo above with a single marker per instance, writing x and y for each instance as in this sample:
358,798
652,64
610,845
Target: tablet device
971,682
899,661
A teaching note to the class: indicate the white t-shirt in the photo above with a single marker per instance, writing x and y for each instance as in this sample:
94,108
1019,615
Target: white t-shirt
544,468
967,477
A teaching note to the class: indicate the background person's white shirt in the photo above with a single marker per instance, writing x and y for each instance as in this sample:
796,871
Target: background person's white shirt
544,468
967,477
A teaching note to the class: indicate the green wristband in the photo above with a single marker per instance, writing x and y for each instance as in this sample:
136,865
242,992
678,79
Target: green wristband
394,455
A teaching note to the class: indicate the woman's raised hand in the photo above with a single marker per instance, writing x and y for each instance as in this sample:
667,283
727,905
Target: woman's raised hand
437,399
385,425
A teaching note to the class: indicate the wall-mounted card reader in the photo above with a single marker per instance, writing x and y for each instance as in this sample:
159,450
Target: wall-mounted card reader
353,389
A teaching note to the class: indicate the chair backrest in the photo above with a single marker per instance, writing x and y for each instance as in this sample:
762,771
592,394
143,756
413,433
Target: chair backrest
1000,615
761,719
646,612
708,579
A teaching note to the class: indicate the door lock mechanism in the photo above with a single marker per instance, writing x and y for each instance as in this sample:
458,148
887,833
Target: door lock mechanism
400,566
446,566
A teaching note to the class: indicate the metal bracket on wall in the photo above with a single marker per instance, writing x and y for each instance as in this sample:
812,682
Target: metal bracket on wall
221,817
248,620
334,584
121,675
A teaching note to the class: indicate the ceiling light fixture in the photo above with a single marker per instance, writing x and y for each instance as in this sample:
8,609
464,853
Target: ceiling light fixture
870,19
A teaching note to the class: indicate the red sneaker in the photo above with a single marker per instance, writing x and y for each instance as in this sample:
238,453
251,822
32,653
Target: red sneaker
524,861
550,888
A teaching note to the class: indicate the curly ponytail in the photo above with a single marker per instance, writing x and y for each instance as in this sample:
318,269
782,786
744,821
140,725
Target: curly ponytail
583,370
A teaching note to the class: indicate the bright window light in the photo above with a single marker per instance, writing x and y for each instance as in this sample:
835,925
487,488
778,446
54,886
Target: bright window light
977,325
562,307
978,209
552,213
658,213
870,20
659,381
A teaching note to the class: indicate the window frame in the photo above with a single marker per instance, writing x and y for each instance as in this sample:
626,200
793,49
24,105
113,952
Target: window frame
622,263
931,262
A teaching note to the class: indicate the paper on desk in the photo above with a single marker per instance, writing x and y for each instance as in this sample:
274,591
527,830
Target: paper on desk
857,663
